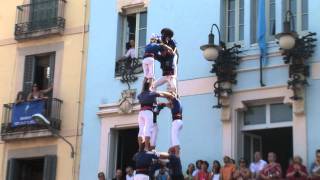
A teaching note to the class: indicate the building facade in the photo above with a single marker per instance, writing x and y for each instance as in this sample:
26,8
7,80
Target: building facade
42,43
257,118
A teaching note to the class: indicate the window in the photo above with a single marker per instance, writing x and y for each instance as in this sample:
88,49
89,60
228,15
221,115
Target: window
299,9
270,14
133,27
38,69
267,116
32,168
280,113
255,115
234,21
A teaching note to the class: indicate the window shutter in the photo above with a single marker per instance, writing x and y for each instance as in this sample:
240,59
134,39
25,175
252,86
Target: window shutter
50,166
12,169
120,36
28,78
52,60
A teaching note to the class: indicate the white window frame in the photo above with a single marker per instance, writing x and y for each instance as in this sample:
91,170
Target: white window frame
298,19
267,16
125,32
268,124
236,25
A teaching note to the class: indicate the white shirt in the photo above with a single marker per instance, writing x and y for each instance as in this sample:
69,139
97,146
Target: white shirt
129,177
131,53
256,167
195,172
216,177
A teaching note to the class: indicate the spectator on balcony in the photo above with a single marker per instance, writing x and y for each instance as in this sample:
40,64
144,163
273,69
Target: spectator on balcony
228,169
20,97
203,174
273,169
242,173
188,175
315,166
129,55
215,174
36,93
101,176
257,165
297,170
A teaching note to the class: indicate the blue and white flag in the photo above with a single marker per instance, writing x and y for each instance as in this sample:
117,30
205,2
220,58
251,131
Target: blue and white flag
22,112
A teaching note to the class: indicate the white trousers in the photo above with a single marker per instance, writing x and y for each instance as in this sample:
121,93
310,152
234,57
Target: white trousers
175,131
148,67
154,134
145,120
170,80
141,177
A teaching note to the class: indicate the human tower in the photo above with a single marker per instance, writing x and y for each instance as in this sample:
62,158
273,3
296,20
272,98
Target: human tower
163,49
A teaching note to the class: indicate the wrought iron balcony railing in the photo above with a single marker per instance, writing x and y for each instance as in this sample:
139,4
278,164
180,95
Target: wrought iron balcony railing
17,116
40,19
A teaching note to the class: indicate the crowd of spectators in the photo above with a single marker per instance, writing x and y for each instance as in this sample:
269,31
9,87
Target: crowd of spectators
241,170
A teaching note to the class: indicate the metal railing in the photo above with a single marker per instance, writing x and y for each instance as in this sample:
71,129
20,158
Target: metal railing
40,16
51,110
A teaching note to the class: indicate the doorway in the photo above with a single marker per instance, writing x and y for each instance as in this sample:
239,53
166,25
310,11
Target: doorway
127,146
277,140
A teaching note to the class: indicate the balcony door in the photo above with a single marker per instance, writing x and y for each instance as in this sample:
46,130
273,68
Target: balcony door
43,14
39,69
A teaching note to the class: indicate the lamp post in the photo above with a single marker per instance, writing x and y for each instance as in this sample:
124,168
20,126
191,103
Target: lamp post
225,63
40,119
296,50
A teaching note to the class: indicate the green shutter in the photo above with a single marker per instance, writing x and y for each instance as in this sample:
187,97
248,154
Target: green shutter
43,14
12,170
50,166
28,78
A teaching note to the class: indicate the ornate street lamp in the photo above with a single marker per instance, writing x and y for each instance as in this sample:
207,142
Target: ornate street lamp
296,50
226,61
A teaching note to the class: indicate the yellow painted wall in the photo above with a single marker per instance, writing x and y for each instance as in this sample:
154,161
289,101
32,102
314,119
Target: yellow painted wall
70,86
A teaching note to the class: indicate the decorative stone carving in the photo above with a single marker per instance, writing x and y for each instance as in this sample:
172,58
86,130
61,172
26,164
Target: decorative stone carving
127,100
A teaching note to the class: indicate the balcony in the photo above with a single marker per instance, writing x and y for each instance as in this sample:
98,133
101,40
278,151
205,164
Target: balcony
17,122
128,66
40,19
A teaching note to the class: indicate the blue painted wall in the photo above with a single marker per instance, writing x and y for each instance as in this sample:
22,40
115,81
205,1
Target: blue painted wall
191,21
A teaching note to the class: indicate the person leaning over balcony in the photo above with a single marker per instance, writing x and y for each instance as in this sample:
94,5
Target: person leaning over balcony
315,166
242,173
36,93
130,54
147,99
273,169
257,165
297,170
